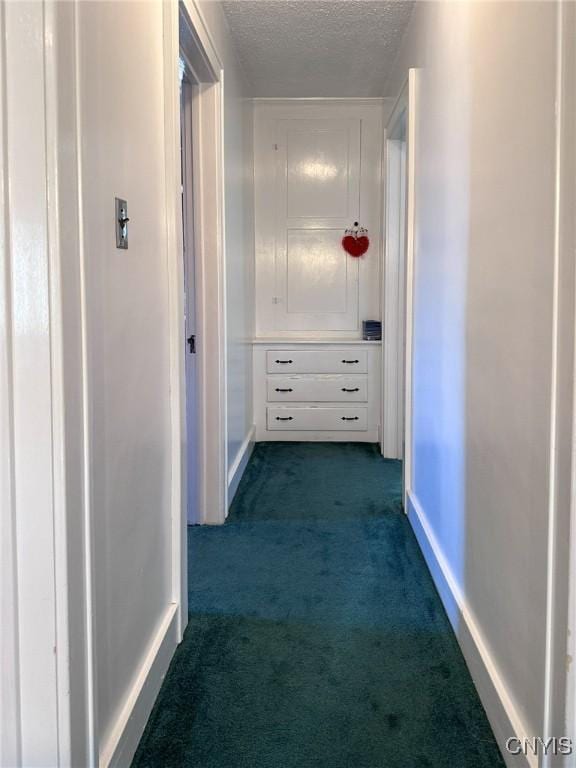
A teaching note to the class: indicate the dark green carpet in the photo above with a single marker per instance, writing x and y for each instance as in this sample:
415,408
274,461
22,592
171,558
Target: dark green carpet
316,637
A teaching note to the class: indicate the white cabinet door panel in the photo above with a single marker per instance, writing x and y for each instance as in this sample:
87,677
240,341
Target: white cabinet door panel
317,198
317,169
317,278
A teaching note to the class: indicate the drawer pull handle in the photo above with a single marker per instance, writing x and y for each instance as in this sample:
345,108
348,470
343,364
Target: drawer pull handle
284,390
354,389
284,362
283,418
350,418
348,361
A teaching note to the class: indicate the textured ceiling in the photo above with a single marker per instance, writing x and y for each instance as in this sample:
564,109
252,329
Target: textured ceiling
304,48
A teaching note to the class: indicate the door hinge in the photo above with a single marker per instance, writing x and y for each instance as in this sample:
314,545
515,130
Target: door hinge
276,147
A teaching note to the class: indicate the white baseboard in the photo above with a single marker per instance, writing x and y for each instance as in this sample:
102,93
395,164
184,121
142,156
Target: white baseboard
239,464
121,744
502,710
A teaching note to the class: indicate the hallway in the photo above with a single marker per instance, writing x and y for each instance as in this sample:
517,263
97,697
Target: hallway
272,275
316,636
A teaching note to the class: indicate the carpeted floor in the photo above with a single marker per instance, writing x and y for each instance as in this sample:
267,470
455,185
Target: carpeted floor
316,637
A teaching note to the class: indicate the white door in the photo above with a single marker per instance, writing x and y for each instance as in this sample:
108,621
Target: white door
317,198
186,105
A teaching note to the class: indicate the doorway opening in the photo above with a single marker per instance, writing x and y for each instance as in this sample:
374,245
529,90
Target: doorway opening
198,285
188,131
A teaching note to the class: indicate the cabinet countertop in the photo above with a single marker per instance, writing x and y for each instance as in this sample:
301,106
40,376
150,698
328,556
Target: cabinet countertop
315,342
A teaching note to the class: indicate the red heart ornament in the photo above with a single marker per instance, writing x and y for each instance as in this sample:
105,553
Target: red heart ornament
355,246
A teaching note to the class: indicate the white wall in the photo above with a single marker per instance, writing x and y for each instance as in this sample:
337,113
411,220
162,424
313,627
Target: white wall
483,325
122,154
239,223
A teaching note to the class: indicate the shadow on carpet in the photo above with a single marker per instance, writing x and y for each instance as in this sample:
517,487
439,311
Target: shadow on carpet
316,636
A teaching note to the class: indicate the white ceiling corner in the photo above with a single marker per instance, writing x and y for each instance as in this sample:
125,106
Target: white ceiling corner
308,48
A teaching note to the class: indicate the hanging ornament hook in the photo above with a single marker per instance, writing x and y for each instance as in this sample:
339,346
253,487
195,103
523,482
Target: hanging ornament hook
356,231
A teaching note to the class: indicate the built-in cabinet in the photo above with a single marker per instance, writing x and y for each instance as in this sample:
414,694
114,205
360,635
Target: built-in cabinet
322,390
318,170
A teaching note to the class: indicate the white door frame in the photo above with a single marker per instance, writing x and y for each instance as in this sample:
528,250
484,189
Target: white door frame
186,29
29,460
398,276
45,569
393,288
559,710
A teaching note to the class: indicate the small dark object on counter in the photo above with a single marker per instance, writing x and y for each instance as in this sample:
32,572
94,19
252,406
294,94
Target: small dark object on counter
371,330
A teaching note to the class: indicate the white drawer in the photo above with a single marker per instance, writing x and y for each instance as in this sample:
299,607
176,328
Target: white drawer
317,361
319,389
329,419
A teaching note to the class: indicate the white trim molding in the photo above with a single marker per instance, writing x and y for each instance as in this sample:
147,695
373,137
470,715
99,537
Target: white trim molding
49,717
10,730
176,304
408,102
238,466
119,749
322,101
560,684
502,710
394,281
